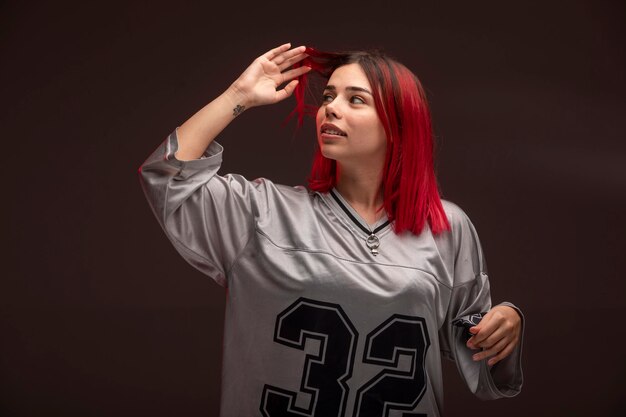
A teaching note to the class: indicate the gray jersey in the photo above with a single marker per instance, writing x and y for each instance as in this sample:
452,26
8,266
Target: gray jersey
317,324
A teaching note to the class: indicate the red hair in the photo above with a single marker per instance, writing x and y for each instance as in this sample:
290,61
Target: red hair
410,191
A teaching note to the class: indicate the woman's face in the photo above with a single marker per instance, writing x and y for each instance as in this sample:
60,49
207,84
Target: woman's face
348,128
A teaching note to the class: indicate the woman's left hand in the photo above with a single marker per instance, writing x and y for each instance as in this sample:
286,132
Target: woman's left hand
498,333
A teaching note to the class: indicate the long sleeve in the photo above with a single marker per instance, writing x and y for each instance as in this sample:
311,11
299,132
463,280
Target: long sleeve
208,218
469,300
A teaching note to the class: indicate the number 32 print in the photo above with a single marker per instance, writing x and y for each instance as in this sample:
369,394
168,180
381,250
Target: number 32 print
325,374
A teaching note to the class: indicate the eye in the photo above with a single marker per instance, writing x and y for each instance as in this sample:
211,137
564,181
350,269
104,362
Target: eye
327,98
356,100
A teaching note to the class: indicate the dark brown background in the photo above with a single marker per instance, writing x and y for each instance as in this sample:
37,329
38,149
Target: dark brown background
100,317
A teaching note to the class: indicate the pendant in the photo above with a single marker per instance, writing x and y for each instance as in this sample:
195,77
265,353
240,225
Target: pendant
373,243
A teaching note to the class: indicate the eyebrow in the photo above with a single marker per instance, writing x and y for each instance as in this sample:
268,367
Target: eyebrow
350,88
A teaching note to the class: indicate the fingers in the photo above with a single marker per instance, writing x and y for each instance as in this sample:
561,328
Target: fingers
487,335
493,325
493,338
482,331
281,54
287,91
262,78
273,52
491,351
288,58
497,334
497,350
289,88
295,73
503,354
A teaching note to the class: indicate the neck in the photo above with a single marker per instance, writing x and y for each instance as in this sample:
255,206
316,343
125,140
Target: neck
361,188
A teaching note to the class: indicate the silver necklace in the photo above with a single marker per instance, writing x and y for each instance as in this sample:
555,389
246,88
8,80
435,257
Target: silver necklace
372,241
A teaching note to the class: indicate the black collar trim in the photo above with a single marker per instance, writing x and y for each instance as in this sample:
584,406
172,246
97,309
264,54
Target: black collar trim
354,220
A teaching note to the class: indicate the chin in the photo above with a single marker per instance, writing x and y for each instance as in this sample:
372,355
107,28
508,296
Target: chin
328,153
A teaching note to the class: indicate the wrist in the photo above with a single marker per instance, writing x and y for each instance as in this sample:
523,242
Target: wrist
512,307
238,97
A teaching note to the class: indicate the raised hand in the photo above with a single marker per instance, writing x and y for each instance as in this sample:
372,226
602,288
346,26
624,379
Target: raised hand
258,84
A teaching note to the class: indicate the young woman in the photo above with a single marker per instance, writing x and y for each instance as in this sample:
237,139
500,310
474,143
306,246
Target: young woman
342,299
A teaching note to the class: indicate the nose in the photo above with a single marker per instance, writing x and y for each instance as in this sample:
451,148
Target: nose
331,110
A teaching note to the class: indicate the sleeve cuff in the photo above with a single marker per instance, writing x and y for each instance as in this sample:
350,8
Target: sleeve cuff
210,159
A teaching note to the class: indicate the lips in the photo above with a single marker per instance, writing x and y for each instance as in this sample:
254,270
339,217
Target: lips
331,129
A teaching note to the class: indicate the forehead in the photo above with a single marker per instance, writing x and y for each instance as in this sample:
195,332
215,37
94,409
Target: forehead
349,75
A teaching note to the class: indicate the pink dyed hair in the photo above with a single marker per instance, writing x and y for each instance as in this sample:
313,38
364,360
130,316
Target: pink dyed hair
410,192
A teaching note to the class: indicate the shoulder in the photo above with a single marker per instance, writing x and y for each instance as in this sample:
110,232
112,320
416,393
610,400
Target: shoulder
456,215
462,232
281,191
460,246
274,198
451,208
261,187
